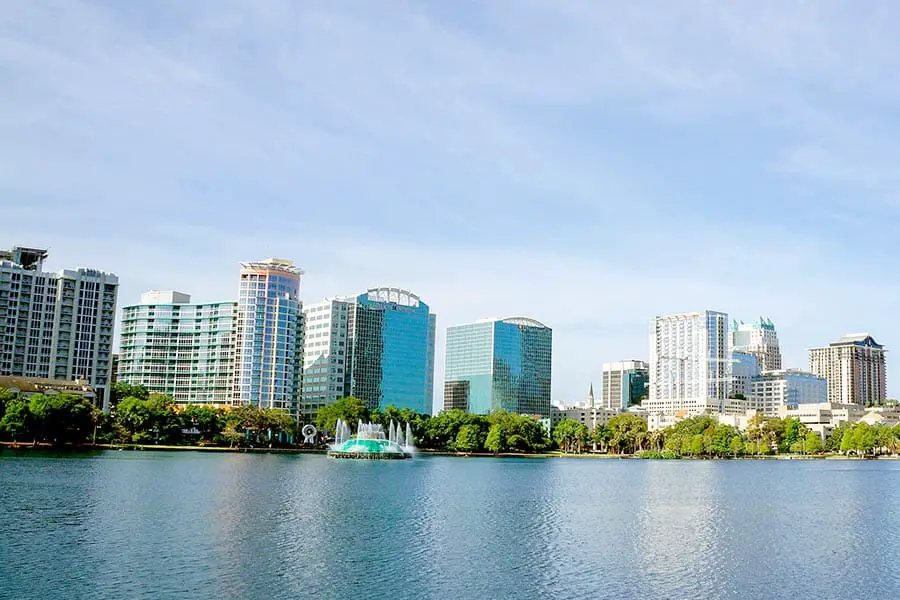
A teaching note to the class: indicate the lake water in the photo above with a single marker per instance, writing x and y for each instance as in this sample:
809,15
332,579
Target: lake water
130,525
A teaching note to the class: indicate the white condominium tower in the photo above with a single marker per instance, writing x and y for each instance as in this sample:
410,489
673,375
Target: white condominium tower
269,336
854,367
325,361
184,350
690,363
56,325
760,339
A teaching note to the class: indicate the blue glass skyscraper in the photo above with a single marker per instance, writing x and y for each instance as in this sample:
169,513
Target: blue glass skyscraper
391,350
499,364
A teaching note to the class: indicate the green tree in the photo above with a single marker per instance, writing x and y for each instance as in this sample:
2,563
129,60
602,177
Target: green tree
349,409
570,435
721,440
61,418
121,390
794,432
470,438
695,445
208,420
835,440
134,415
736,446
441,432
496,439
813,443
6,397
17,422
755,431
628,433
602,436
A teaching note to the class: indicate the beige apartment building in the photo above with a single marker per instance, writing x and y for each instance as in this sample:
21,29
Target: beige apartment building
854,367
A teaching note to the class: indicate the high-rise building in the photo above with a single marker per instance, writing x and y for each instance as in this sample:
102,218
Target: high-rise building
789,388
758,338
690,364
268,360
744,367
624,383
499,364
56,325
377,346
326,362
392,350
184,350
854,367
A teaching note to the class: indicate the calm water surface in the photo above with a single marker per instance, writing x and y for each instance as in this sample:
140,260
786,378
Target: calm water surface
192,525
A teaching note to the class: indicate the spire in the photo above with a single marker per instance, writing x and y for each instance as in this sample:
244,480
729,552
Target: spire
591,395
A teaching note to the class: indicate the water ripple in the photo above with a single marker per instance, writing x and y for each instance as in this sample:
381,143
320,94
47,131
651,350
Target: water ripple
155,525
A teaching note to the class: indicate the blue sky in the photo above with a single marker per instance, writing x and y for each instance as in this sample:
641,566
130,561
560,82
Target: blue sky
586,164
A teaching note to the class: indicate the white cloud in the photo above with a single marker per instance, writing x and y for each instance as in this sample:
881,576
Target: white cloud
473,158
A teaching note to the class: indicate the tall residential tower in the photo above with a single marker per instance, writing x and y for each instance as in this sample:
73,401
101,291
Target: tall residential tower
184,350
854,367
690,363
269,336
56,325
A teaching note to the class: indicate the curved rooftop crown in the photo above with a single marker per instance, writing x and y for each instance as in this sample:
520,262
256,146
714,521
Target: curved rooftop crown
857,339
393,295
523,321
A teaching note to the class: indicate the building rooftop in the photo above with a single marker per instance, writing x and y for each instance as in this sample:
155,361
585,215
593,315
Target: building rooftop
275,264
526,321
857,339
761,323
40,385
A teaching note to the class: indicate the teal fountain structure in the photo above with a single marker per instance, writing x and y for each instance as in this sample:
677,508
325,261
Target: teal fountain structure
371,442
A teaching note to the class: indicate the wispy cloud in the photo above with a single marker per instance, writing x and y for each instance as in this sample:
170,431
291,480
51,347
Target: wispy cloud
588,165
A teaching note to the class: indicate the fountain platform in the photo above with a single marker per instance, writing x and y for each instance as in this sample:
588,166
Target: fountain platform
371,443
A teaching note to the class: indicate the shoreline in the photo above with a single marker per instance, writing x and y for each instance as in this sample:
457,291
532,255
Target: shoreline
22,449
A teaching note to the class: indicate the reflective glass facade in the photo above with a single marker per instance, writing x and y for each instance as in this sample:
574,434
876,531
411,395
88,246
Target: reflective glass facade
269,336
501,364
391,333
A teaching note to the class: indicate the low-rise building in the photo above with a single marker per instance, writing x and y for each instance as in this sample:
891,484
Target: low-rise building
29,386
771,390
589,417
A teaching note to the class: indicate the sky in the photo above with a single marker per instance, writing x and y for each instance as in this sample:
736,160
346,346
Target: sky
586,164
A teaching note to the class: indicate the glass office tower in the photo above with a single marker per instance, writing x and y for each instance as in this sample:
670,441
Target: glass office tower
391,350
499,364
269,336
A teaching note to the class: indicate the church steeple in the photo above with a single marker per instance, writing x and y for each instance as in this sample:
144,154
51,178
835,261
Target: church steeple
591,396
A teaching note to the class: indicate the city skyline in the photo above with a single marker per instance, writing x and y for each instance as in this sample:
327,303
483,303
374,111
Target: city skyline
686,157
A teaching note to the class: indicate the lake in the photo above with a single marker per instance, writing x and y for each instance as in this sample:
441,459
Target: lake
196,525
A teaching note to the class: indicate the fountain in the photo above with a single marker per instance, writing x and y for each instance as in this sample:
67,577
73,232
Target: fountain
371,442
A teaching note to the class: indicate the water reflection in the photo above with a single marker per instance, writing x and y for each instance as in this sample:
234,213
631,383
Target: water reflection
155,525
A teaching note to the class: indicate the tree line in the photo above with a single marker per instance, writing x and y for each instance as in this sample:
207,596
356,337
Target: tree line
140,417
704,436
451,430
